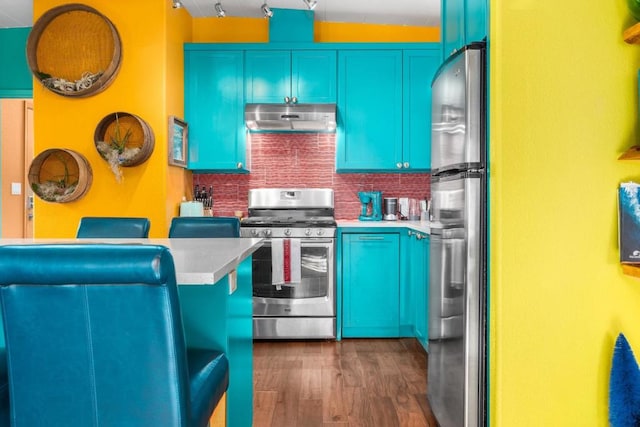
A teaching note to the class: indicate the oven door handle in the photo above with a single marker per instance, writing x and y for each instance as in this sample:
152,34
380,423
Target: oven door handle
306,242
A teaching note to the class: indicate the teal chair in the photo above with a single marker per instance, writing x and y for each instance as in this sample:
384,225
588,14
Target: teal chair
113,227
204,226
94,336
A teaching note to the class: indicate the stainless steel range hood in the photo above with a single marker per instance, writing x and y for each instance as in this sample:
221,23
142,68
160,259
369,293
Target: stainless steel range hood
291,117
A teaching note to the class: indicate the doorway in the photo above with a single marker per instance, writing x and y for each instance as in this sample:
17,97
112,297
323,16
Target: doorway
16,154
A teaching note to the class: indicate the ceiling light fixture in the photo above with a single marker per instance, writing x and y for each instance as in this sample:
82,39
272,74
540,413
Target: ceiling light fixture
311,4
220,13
177,4
268,13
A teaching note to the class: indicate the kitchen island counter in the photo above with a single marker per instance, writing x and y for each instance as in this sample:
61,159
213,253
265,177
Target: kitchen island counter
197,261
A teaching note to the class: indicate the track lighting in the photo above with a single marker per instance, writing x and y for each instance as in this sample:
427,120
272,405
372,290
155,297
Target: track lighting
311,4
220,13
268,13
177,4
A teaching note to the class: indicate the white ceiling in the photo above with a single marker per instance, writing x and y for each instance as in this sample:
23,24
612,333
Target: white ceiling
19,13
16,13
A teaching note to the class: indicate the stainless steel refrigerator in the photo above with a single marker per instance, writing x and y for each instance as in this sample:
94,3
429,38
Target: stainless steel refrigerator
456,385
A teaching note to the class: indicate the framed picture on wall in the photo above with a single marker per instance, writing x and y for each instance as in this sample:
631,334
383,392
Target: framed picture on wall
178,142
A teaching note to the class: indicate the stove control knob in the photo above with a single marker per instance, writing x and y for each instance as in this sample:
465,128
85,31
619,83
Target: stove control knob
307,232
254,232
287,232
267,233
320,232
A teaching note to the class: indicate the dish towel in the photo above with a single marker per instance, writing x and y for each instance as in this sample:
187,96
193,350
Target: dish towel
285,262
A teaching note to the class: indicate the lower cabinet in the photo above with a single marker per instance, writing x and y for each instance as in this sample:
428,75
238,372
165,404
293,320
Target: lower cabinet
417,264
370,284
383,281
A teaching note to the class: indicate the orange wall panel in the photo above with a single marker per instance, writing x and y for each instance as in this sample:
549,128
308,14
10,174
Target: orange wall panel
141,87
12,167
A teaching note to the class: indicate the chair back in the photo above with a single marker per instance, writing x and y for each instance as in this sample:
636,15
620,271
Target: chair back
94,335
204,226
113,227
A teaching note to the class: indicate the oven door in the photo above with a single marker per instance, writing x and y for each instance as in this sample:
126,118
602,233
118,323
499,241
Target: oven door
313,296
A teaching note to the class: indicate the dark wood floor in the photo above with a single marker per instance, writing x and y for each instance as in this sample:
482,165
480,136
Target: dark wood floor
354,382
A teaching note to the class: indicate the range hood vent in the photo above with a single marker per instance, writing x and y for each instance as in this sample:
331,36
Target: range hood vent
291,117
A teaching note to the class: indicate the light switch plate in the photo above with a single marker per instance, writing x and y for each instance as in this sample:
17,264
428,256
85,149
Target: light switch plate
16,188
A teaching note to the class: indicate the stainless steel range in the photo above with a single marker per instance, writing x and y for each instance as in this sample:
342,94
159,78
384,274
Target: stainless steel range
300,229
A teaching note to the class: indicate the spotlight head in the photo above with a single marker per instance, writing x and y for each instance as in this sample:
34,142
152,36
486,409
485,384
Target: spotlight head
266,10
311,4
220,13
177,4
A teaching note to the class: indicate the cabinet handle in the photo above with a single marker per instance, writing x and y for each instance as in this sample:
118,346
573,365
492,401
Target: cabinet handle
411,233
399,165
239,165
294,100
286,99
419,236
406,165
371,238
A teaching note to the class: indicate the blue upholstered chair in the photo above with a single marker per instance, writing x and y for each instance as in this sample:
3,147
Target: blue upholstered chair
94,336
113,227
204,226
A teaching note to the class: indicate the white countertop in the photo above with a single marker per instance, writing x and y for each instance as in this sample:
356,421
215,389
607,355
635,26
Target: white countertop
422,226
197,261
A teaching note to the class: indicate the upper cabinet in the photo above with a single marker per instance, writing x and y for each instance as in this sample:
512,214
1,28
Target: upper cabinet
462,22
419,67
382,92
214,110
298,76
369,135
384,117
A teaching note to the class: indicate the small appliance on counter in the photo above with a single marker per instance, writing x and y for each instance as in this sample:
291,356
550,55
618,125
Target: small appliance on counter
191,208
390,209
371,205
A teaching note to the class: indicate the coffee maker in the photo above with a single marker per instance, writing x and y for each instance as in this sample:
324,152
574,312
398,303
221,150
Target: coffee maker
371,205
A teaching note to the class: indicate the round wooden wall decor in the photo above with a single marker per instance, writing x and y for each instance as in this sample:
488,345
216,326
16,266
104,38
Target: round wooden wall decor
125,138
60,175
74,50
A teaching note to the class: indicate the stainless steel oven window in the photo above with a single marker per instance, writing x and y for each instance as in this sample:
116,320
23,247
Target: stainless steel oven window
316,258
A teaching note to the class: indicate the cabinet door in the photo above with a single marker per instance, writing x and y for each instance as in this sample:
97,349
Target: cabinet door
370,288
369,135
452,26
419,69
475,20
268,75
313,76
420,284
214,110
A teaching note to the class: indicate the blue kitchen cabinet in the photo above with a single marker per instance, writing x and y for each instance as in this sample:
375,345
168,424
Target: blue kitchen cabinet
419,67
417,264
384,110
476,28
452,26
307,75
370,283
369,135
214,110
462,22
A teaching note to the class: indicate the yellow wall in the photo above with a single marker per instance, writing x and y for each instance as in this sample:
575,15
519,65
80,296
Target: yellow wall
564,106
179,31
256,30
149,84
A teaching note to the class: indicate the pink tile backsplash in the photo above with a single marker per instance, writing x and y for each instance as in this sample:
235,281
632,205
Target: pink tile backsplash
305,160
